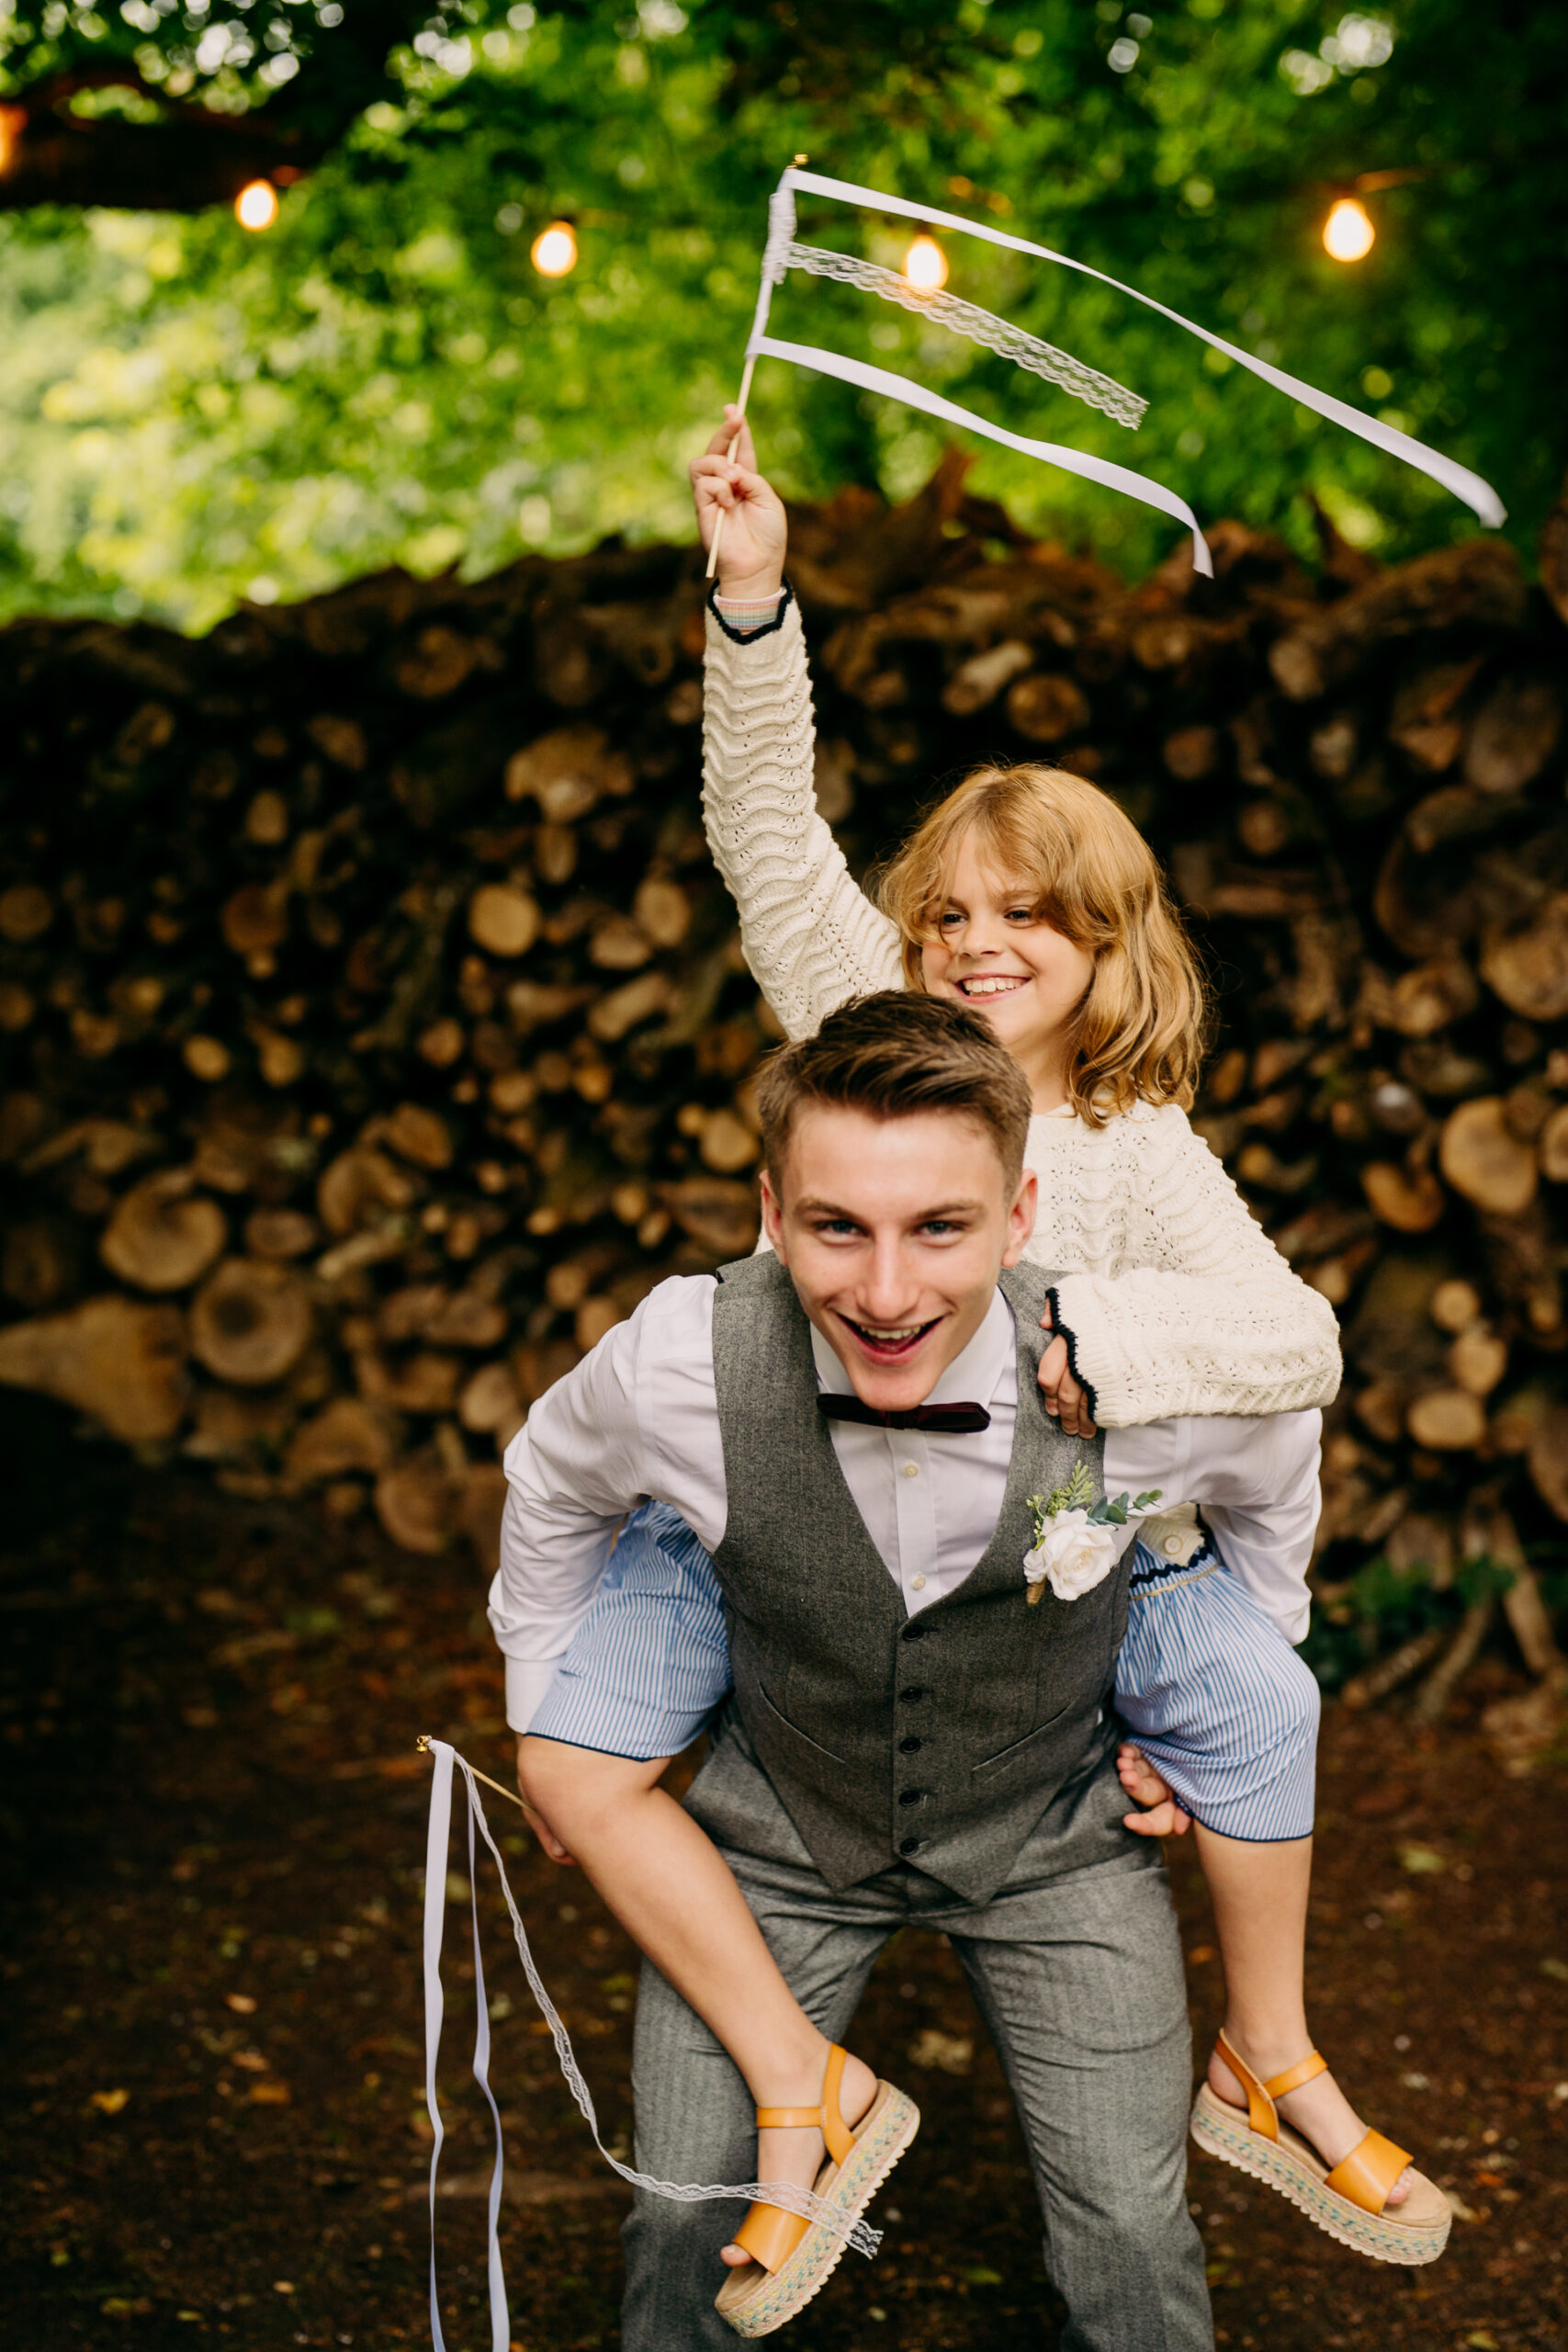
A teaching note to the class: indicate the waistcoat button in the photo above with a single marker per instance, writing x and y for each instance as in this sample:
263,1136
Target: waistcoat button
916,1633
910,1796
910,1845
910,1746
912,1696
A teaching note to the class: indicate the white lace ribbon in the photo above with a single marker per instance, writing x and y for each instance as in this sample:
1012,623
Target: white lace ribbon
1059,368
1477,495
803,2201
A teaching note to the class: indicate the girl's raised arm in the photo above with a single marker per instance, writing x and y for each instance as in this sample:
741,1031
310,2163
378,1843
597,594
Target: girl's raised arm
810,935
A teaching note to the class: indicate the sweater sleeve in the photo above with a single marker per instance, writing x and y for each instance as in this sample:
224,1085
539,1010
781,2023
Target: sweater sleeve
810,934
1213,1320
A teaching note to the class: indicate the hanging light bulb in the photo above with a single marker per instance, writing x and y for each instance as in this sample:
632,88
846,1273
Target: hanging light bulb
554,250
255,207
1348,233
925,265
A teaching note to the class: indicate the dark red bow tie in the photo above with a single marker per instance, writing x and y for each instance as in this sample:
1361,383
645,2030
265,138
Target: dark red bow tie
946,1420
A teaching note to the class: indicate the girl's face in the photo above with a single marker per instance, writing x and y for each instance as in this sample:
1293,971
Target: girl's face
995,954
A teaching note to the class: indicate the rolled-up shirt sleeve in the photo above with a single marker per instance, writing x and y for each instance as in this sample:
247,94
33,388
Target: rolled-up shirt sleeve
1256,1481
628,1423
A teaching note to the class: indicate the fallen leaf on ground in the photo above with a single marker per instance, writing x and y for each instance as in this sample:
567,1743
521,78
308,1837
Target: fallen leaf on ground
947,2054
111,2102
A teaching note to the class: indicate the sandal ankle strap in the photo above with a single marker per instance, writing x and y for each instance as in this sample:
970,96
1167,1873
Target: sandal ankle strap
1294,2076
829,2117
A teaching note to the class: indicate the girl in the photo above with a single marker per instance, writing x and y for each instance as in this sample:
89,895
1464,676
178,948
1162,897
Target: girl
1029,896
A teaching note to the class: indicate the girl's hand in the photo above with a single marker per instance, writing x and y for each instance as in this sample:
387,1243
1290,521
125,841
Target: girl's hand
1064,1397
756,535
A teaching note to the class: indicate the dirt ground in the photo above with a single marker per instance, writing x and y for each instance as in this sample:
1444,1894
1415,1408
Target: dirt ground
214,1827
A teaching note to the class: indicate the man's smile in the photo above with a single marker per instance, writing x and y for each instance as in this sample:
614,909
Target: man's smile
887,1343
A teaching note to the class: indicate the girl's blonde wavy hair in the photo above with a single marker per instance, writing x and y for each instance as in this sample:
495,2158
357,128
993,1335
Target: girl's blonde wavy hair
1141,1025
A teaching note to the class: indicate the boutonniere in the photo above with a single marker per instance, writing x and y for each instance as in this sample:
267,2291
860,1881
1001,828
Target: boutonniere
1074,1542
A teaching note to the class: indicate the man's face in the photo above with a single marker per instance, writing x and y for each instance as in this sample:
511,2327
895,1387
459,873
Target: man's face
893,1232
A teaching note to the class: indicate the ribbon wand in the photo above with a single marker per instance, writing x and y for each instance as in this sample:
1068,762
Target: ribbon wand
423,1747
746,377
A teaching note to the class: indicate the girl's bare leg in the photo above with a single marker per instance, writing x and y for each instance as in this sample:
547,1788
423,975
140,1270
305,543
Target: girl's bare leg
1259,1895
669,1886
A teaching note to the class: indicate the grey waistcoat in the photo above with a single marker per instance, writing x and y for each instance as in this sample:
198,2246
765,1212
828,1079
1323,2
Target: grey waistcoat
941,1738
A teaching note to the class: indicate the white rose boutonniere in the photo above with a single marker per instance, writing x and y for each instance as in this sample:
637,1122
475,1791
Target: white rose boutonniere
1073,1539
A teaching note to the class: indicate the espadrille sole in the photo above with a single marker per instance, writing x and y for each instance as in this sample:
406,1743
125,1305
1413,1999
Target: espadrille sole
880,2141
1226,2132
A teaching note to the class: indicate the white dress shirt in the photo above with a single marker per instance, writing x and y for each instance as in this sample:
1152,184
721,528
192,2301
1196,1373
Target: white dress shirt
638,1417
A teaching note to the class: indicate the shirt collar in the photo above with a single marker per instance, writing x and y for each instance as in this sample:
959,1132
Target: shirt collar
976,1374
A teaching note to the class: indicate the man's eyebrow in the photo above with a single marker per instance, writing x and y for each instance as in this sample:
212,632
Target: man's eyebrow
813,1208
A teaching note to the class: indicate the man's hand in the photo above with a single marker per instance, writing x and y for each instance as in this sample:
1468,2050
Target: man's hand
1158,1814
756,532
1064,1397
536,1819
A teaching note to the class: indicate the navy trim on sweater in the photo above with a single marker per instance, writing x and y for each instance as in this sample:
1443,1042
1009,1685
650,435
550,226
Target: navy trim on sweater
763,628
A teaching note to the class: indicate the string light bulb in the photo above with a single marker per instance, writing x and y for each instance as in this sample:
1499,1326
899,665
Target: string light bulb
255,207
925,265
554,251
1348,233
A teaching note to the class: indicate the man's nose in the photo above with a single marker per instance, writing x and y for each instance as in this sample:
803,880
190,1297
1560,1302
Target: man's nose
888,1289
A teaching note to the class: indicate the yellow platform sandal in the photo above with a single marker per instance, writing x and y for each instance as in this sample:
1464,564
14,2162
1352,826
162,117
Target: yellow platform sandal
791,2258
1350,2202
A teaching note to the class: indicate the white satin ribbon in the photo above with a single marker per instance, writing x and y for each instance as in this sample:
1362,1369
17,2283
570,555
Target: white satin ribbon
1072,461
1477,495
803,2201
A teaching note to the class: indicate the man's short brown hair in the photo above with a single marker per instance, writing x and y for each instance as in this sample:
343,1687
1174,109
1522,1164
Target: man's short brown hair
894,1055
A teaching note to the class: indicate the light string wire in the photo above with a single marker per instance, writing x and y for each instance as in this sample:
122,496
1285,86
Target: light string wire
802,2201
1459,479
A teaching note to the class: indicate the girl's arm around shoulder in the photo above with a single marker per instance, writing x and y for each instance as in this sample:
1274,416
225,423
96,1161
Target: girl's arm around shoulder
811,936
1210,1317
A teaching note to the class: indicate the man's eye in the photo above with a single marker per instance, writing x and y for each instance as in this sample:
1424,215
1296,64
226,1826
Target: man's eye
839,1224
942,1226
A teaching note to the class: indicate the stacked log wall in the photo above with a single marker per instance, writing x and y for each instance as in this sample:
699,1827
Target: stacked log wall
376,1031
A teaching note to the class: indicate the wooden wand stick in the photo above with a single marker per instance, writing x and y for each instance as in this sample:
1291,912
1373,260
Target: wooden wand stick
745,396
422,1745
740,424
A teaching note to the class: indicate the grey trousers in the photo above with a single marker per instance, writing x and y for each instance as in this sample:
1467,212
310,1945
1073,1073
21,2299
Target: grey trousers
1075,1967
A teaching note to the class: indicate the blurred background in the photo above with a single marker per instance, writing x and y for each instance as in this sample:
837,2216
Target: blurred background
376,370
376,1032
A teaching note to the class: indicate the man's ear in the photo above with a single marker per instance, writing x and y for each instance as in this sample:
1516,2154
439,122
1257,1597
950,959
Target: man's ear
1020,1218
772,1218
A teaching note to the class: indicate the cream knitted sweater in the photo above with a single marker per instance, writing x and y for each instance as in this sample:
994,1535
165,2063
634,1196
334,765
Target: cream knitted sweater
1175,1300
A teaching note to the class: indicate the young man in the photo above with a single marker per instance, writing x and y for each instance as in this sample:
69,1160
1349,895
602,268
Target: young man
910,1740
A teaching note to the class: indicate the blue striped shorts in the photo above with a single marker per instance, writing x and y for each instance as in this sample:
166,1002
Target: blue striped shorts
1218,1700
1205,1682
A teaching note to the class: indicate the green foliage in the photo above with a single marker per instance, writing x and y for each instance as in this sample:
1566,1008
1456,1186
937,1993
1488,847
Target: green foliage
1382,1606
1078,1494
188,414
